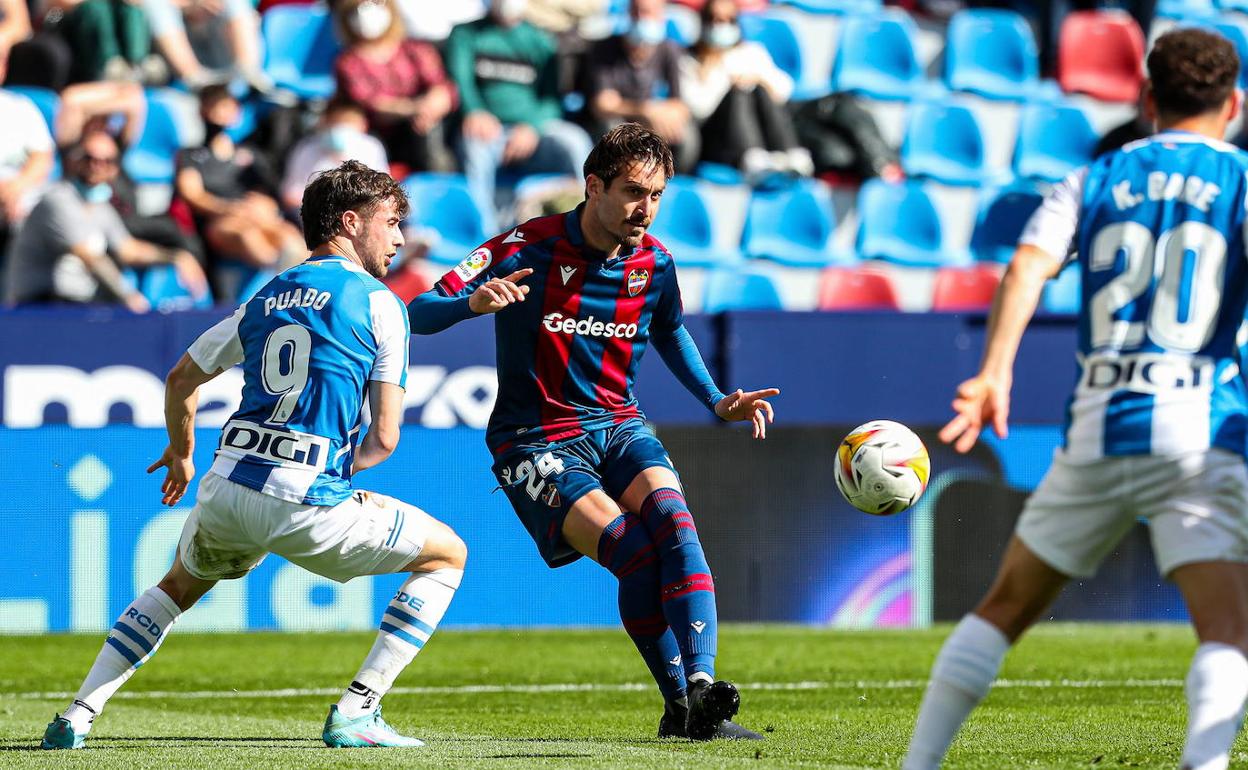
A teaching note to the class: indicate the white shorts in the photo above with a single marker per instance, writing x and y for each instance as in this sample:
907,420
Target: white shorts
1196,506
232,528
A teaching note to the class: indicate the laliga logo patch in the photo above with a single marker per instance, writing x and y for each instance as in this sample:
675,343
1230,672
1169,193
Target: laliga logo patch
638,279
474,264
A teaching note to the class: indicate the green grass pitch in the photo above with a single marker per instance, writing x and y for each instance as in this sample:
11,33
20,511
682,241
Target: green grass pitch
1072,696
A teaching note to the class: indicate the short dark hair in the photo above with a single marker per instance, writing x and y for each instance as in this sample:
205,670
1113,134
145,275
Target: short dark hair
624,145
1192,71
351,186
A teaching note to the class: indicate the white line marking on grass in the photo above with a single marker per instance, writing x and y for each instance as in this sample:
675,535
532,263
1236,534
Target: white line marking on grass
474,689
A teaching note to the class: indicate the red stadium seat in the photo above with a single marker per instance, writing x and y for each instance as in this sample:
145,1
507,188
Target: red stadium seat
1101,53
965,288
857,288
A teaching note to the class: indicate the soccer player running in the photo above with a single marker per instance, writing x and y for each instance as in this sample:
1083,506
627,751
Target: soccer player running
1156,427
312,343
578,295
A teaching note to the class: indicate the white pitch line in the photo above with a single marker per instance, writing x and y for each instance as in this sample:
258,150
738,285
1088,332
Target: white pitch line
473,689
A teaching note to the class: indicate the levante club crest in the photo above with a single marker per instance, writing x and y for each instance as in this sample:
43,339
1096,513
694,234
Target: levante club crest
638,279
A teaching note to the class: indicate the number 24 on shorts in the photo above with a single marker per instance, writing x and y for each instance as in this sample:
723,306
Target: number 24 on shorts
534,473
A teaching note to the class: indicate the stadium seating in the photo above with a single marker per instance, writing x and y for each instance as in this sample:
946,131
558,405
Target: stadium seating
1061,295
965,288
876,56
900,224
943,143
776,34
163,289
792,224
688,226
299,49
1003,213
729,289
153,157
991,53
1185,10
1237,34
441,202
47,100
1233,5
860,288
839,7
238,282
1053,138
1100,53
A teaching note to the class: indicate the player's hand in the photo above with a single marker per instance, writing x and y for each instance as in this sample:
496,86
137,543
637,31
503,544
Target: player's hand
497,293
177,478
980,401
742,406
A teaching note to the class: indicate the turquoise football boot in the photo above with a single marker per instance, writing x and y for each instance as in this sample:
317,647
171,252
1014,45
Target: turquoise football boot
60,735
368,731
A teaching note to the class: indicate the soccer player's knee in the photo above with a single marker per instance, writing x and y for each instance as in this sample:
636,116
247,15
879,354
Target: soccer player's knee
666,515
625,548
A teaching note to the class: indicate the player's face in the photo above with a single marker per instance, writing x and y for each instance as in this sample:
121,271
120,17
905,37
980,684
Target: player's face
381,239
629,205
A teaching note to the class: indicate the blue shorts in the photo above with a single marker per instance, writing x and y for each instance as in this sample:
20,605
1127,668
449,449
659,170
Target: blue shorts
542,481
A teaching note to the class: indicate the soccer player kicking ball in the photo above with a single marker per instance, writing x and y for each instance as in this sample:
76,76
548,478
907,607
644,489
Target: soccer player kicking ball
312,343
1156,427
578,296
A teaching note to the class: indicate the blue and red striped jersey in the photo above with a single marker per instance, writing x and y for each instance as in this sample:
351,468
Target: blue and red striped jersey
568,355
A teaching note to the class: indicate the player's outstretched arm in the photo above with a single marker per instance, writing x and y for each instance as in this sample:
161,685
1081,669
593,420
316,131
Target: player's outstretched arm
431,312
385,403
985,398
181,401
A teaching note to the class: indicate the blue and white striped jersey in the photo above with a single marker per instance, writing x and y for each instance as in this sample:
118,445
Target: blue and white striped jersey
308,342
1158,229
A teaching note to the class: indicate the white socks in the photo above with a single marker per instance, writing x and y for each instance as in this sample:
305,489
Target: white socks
1217,685
406,625
132,641
961,677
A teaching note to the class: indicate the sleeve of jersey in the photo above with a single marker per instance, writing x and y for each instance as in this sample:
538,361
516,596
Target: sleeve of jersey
390,330
1052,227
220,347
677,348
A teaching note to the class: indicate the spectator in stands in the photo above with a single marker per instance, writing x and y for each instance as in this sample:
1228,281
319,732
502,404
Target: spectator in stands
231,192
342,135
635,76
507,75
400,82
110,39
431,20
737,94
560,17
207,19
25,157
73,244
36,58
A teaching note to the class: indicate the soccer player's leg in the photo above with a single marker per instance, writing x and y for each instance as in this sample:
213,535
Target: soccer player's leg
206,553
1074,519
1200,537
638,471
371,534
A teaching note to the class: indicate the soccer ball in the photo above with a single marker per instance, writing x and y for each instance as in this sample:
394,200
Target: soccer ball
882,467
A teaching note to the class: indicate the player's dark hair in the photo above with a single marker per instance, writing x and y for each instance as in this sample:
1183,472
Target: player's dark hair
1192,71
624,145
351,186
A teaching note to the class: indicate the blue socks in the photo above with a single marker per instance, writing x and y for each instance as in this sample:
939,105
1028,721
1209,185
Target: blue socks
625,549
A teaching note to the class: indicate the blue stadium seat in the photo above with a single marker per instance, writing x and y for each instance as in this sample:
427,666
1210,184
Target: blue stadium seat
731,289
793,225
441,202
900,224
1185,10
162,288
839,7
239,282
1053,139
777,35
876,56
943,143
688,227
991,53
1239,36
152,158
47,100
1003,213
1062,294
299,49
1233,5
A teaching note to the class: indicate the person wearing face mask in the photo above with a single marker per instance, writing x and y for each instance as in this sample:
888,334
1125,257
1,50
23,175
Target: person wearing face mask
73,245
635,76
400,83
232,194
507,74
342,135
737,96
